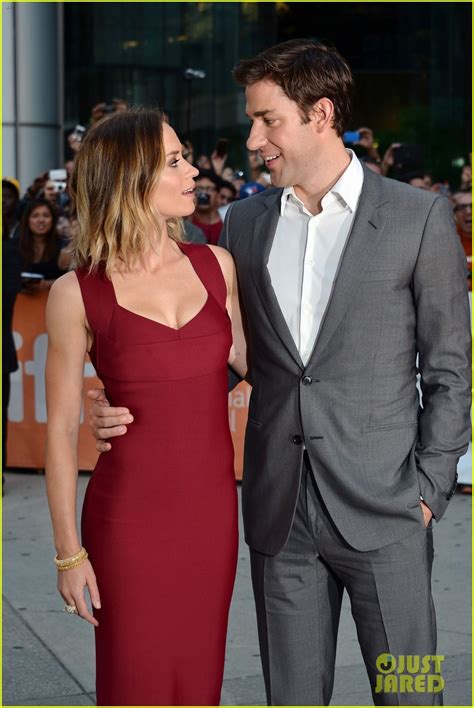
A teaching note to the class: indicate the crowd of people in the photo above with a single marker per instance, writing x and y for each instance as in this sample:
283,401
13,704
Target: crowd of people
39,223
217,185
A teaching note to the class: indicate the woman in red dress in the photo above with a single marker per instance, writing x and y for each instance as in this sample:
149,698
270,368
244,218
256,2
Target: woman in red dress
160,319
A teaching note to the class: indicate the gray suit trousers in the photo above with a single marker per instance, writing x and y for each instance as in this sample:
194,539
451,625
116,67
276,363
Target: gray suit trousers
298,595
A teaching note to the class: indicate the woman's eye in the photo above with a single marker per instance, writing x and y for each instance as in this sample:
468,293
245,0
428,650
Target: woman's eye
174,163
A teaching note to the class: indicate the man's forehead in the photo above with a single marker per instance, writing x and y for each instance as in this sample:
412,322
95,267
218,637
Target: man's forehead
263,96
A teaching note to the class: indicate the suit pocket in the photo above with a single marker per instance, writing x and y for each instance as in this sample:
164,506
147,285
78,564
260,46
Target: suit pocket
254,423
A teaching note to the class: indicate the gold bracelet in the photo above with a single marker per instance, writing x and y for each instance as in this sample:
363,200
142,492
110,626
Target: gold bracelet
76,559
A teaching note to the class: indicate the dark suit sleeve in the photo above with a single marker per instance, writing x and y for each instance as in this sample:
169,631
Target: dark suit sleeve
225,241
444,346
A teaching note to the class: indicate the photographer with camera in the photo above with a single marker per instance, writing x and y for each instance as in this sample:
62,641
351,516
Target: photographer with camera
206,216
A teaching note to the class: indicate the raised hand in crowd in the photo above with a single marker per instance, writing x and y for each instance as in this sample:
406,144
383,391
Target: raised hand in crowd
388,159
218,162
466,178
367,141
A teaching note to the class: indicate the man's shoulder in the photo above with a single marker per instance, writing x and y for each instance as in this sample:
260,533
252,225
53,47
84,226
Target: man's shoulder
251,206
410,197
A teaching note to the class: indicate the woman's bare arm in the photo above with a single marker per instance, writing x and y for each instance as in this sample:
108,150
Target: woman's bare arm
67,346
238,352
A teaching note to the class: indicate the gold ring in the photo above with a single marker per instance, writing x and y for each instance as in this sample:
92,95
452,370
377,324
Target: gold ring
70,609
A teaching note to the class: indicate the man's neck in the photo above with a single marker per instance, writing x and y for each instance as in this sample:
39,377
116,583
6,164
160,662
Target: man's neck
327,172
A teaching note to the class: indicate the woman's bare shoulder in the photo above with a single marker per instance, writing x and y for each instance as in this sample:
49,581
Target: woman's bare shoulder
225,259
65,292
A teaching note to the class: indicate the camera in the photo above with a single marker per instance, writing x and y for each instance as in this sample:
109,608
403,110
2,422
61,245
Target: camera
59,187
203,199
194,74
350,137
78,133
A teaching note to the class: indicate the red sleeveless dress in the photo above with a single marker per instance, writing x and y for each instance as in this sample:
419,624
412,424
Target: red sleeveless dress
160,514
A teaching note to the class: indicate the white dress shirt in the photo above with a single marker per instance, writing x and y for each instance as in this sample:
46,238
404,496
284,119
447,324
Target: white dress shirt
306,251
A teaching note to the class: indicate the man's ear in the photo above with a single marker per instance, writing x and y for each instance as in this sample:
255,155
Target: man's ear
322,115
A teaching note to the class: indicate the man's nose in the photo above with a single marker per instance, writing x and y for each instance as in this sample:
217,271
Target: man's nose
256,139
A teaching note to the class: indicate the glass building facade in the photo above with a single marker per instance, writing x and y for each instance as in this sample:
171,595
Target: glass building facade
410,60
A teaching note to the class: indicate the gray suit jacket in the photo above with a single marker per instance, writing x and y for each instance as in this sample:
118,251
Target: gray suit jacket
400,290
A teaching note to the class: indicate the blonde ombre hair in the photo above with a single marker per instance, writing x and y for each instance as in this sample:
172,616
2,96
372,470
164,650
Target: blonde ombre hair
117,167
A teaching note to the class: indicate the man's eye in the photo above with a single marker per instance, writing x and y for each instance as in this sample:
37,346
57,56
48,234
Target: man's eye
268,121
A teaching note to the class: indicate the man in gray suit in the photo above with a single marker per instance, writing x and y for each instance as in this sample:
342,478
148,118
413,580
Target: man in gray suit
345,278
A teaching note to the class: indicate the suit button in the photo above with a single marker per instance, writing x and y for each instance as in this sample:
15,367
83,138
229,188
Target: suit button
296,439
306,380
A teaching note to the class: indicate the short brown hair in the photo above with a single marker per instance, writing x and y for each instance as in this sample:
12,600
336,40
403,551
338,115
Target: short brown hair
306,71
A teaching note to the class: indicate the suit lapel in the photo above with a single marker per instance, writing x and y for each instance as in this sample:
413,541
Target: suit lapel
264,233
358,252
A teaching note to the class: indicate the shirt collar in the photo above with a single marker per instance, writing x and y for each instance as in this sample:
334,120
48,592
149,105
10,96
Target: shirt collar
347,188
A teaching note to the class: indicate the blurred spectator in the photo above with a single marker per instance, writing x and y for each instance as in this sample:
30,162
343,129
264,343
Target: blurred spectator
50,193
265,179
466,178
11,286
39,244
441,188
428,178
238,180
256,164
206,216
388,159
249,189
226,194
188,151
367,141
192,233
10,202
204,162
219,156
228,174
463,214
415,179
69,166
100,110
56,193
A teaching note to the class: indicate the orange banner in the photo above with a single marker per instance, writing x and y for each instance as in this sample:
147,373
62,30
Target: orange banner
27,410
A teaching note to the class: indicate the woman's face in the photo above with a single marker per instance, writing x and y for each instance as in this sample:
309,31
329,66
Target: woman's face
49,191
40,221
174,194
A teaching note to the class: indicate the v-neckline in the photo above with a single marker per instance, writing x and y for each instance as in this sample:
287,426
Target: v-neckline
157,322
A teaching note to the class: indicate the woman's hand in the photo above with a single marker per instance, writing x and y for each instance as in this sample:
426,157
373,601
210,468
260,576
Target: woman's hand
71,584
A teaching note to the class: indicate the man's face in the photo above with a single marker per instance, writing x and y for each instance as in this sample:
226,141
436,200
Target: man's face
205,186
224,196
50,191
463,210
278,133
419,183
9,199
